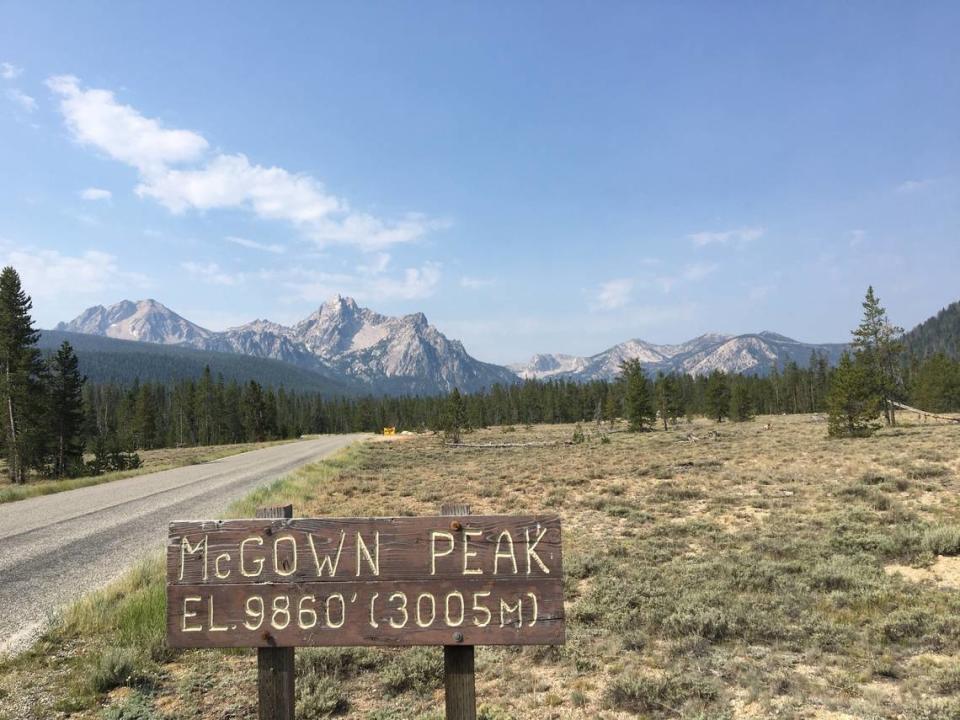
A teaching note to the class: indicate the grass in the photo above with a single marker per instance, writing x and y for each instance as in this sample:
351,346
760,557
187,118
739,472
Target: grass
763,573
153,461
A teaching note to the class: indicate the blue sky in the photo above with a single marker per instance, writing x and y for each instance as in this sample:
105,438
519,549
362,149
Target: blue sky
535,177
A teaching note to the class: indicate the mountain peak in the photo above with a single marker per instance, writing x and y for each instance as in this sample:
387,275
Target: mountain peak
339,304
144,320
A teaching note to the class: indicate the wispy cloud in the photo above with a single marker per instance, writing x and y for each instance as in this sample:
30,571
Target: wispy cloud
737,237
691,273
476,283
613,294
9,71
51,274
410,284
22,100
177,170
94,193
856,237
212,273
254,245
914,186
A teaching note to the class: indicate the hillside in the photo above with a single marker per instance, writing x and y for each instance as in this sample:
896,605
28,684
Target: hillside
104,359
941,333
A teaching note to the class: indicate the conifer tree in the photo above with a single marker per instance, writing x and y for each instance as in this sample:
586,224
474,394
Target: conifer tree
717,396
741,405
455,416
638,396
669,398
878,347
21,372
853,403
65,395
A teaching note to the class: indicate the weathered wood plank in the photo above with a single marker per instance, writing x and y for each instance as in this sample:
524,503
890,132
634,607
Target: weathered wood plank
276,667
483,611
387,549
439,580
459,681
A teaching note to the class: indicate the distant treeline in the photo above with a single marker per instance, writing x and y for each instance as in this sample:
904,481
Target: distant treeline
211,411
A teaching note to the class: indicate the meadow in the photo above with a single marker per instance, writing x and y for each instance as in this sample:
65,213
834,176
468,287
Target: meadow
751,569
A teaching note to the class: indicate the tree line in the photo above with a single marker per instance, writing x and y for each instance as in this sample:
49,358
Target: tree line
51,416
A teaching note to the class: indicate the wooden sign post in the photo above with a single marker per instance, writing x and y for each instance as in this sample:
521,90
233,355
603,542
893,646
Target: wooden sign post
278,582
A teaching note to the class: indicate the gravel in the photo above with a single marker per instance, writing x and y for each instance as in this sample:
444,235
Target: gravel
55,548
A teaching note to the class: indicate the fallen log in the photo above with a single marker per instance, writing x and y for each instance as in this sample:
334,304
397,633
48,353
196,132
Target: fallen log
924,412
549,443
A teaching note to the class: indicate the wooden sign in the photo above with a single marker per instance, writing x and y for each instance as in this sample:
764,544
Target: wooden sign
471,580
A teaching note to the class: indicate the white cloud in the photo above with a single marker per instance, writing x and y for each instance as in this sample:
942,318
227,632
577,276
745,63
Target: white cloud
49,274
739,237
212,273
697,271
857,237
93,193
26,103
230,181
690,273
380,263
177,171
254,245
95,118
475,283
9,71
411,284
913,186
613,294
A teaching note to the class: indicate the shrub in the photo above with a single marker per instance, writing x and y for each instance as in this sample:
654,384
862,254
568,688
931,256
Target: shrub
116,667
135,707
942,540
419,670
319,696
905,624
656,694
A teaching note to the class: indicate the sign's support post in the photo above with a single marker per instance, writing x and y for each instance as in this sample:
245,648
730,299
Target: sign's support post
276,672
458,667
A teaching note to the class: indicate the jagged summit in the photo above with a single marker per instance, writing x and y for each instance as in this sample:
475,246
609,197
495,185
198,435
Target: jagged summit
398,354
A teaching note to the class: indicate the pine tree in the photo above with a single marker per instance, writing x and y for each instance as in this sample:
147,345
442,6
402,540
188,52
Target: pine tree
638,396
66,410
741,405
717,396
21,373
455,416
853,403
877,345
669,398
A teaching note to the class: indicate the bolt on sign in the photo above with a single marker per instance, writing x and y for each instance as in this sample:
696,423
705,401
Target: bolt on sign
471,580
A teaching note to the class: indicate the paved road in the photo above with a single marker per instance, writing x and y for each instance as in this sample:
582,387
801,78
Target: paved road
57,547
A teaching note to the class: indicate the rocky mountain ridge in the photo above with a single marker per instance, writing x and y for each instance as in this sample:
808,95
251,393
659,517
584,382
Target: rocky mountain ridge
389,354
755,353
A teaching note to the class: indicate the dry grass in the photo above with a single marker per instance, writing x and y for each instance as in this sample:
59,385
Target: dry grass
763,573
153,461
